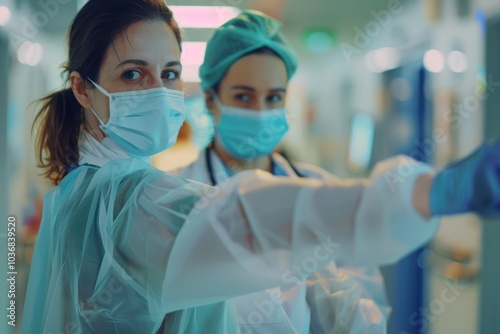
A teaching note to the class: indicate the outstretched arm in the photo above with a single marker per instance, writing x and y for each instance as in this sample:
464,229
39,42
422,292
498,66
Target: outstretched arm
259,231
421,193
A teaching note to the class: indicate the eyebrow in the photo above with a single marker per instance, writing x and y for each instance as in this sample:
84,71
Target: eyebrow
141,62
248,88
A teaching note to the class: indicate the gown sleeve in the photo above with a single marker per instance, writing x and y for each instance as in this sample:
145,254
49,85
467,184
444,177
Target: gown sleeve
122,246
329,282
251,232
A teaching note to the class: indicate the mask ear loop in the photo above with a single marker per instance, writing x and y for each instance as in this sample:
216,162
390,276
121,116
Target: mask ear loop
216,99
102,90
219,105
102,123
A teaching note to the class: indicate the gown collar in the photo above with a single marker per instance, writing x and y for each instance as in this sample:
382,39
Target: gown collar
93,152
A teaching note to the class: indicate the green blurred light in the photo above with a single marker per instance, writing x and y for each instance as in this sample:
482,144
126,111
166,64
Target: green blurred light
319,41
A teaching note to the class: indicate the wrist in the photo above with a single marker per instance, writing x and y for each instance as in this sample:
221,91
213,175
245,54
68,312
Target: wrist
421,194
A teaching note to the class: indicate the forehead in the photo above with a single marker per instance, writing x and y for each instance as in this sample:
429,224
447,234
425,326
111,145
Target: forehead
151,41
260,71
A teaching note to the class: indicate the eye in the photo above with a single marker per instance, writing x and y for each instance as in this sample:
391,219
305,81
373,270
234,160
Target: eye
275,98
170,75
242,97
132,75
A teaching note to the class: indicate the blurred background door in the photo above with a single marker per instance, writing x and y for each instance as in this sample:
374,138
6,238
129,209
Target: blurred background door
489,317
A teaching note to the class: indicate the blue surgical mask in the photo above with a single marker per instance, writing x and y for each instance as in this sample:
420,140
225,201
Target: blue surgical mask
248,134
144,122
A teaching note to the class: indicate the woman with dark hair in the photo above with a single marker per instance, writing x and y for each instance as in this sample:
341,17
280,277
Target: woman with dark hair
126,248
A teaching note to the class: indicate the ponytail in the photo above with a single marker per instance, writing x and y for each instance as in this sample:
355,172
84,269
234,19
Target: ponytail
59,122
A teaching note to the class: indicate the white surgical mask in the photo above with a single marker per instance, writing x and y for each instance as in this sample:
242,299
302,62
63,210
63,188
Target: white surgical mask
144,122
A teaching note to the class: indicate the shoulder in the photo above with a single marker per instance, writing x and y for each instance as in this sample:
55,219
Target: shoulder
114,176
137,180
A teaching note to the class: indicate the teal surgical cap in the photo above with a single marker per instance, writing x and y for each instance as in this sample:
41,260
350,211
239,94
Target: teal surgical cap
249,31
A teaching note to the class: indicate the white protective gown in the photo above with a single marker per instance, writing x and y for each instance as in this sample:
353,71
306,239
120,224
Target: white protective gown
291,311
126,248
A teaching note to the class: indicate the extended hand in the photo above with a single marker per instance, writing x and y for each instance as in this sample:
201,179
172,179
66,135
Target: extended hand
469,185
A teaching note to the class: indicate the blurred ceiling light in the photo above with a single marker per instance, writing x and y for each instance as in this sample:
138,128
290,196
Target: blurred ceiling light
458,62
190,73
30,53
193,53
388,58
434,61
319,41
361,142
4,15
382,60
203,16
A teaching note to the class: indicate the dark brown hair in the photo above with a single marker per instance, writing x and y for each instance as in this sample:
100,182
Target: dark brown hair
91,33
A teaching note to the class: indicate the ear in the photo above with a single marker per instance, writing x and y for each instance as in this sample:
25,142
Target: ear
209,101
78,86
212,106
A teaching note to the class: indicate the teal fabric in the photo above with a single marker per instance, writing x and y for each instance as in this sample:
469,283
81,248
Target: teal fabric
470,184
250,134
249,31
97,268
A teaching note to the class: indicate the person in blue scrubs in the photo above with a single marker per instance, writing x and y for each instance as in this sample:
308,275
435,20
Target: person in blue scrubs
126,248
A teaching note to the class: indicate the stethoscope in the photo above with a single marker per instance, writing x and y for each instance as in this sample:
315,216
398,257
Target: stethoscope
210,169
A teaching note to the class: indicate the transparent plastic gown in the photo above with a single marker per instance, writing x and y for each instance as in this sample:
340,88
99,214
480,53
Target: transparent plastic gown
126,248
282,310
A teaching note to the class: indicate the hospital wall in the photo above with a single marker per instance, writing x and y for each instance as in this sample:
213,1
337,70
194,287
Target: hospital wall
326,78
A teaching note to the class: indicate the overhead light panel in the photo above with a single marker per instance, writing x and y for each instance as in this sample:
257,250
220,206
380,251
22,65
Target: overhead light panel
4,15
192,57
190,73
193,53
203,16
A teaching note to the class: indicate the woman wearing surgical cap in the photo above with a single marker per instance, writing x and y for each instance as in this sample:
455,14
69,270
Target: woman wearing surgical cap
247,66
